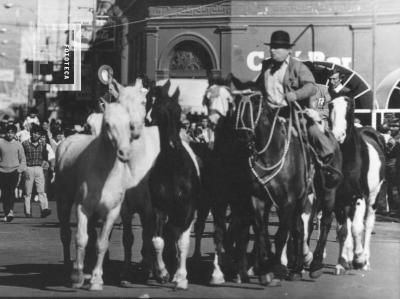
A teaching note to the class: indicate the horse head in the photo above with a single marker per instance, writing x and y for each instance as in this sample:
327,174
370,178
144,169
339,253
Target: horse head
248,116
342,114
116,128
166,113
134,99
218,100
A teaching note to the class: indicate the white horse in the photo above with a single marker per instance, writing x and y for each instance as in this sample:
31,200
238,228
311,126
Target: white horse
93,172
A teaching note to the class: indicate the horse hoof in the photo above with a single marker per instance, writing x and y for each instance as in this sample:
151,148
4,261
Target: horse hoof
295,276
275,283
181,284
340,270
315,273
316,268
250,272
77,279
237,279
358,264
217,279
308,260
96,287
163,278
266,278
367,267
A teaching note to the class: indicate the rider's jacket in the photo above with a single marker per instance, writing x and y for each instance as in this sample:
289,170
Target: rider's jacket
298,79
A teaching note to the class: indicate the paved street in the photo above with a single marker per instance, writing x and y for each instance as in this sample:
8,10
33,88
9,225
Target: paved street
31,255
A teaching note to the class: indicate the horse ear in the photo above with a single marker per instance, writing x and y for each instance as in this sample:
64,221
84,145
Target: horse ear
165,88
229,78
139,83
115,88
103,104
175,96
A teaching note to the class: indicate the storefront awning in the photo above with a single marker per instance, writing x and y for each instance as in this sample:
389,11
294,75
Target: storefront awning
388,91
361,90
191,93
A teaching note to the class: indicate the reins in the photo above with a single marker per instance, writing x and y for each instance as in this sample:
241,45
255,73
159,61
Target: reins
241,125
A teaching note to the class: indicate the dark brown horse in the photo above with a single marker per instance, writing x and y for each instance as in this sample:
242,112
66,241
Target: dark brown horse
277,172
174,187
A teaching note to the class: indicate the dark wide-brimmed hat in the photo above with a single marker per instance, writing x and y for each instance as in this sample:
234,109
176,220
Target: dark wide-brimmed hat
280,39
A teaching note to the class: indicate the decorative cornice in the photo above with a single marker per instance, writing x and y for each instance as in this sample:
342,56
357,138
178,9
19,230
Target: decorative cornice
232,28
151,29
190,10
355,27
279,8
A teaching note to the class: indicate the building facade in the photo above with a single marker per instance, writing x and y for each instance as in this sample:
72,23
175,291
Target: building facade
187,40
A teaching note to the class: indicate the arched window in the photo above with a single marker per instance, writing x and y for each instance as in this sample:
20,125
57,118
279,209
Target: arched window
189,59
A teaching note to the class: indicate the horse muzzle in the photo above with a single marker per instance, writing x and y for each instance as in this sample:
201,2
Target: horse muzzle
124,155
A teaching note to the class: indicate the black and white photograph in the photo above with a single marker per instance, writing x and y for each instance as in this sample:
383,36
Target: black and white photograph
200,149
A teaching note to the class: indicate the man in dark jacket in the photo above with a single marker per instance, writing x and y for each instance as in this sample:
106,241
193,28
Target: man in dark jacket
284,79
36,155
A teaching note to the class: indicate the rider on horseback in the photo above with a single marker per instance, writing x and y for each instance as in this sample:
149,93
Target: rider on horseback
284,79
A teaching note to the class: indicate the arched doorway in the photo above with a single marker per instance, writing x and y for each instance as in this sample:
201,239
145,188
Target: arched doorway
189,59
187,56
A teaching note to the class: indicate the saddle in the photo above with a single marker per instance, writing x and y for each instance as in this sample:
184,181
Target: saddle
331,176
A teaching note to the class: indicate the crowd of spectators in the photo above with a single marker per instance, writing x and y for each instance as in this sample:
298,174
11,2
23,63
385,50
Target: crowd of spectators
197,132
27,160
391,189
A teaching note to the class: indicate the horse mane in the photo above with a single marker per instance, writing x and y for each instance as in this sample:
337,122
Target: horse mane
167,111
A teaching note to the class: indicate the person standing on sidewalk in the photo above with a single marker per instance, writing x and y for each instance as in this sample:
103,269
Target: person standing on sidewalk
36,157
12,163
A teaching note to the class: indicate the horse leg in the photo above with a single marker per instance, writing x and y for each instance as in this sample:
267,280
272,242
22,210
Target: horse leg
260,233
219,215
180,277
298,235
328,204
146,218
345,239
64,206
202,213
286,214
241,224
369,225
307,218
161,274
81,242
357,230
90,252
96,282
127,241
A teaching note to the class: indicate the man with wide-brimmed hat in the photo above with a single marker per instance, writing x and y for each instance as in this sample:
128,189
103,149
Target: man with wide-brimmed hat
284,79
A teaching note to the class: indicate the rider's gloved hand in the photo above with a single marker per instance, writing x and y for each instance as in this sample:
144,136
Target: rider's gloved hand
291,96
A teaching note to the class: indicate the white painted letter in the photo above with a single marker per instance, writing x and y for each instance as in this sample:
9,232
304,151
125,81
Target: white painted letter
250,60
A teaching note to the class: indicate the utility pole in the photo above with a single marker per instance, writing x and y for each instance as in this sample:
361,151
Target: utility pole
94,60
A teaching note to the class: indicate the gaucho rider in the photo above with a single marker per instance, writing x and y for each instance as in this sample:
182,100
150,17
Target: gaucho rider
284,79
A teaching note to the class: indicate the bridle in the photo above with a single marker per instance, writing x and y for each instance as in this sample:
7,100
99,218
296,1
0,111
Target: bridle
240,124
